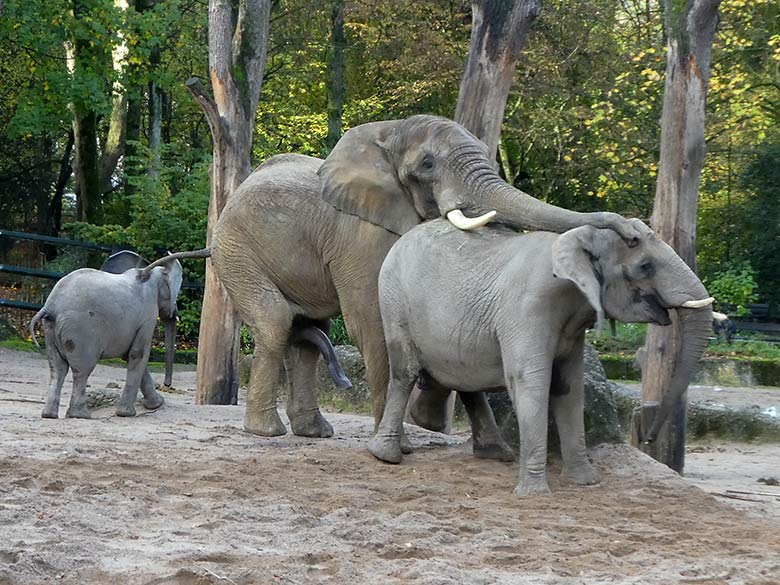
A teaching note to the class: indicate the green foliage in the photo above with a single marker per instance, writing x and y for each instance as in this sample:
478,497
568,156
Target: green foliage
338,332
735,286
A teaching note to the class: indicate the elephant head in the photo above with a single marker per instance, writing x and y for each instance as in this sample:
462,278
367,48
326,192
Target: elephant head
639,284
398,173
168,286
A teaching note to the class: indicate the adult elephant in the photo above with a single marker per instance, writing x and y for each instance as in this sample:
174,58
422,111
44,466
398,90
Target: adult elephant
303,239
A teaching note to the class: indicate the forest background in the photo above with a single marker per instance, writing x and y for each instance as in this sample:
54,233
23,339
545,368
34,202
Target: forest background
581,128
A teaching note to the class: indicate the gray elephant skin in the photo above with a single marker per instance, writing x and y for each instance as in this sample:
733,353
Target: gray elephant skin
302,240
93,314
497,309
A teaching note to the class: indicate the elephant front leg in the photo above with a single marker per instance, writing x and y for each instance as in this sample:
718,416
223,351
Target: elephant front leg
306,420
152,398
137,359
529,387
568,406
488,442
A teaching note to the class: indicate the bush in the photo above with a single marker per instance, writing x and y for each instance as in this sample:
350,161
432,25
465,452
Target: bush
735,286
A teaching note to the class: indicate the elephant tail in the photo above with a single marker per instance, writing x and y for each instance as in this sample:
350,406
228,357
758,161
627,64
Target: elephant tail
203,253
317,337
42,314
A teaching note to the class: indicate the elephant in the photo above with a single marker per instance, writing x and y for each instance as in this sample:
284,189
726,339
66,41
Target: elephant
125,260
93,314
302,240
493,308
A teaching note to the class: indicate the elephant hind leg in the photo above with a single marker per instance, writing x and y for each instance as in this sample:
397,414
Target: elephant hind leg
306,420
58,369
488,443
268,315
152,398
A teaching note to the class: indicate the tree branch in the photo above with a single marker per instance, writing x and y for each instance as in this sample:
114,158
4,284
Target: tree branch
207,105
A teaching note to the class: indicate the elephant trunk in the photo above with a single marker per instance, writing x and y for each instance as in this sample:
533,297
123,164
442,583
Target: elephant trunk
169,327
694,330
481,190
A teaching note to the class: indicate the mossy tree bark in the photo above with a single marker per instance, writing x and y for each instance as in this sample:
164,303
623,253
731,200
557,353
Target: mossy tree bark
238,39
690,29
336,74
499,30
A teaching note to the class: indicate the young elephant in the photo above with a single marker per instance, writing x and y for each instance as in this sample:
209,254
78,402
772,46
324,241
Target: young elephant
92,314
493,308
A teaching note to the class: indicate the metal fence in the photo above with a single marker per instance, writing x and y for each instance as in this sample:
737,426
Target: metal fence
47,274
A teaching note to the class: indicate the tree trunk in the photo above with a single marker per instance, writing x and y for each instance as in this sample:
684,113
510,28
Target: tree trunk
498,33
336,75
66,170
155,115
690,32
88,200
237,56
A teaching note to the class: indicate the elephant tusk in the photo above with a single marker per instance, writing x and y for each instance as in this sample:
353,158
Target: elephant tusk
697,304
462,222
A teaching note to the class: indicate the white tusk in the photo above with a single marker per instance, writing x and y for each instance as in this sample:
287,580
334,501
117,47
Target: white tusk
462,222
697,304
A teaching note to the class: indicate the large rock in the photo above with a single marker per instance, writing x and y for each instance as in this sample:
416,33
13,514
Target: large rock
602,424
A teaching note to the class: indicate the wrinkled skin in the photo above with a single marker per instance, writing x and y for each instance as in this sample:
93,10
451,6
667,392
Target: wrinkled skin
302,240
492,308
125,260
92,314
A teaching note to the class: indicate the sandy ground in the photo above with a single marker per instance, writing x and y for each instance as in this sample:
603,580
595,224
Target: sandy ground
183,496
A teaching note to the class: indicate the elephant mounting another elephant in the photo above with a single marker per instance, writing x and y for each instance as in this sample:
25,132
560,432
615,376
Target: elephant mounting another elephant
494,308
302,240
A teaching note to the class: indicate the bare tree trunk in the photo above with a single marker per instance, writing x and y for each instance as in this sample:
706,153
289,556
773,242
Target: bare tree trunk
237,56
336,75
498,33
690,32
155,115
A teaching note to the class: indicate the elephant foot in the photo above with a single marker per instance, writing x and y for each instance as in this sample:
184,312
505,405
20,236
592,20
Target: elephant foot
387,449
582,474
80,411
532,485
267,424
50,412
153,401
123,410
406,445
498,450
311,424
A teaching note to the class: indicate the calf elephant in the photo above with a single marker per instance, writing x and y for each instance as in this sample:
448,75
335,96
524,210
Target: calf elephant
302,240
93,314
496,309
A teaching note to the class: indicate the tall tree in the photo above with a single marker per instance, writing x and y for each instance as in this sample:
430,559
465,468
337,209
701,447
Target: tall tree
238,39
336,75
690,28
498,34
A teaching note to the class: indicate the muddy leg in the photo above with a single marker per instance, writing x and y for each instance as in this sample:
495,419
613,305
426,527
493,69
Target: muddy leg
152,398
58,369
306,420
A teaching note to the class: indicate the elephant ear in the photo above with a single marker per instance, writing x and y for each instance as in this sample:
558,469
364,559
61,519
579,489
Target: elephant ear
123,261
359,178
572,258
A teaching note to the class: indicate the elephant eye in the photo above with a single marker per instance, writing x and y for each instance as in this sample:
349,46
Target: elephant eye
427,162
647,267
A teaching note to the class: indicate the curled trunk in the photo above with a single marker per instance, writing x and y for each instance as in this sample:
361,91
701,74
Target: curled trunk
694,329
169,327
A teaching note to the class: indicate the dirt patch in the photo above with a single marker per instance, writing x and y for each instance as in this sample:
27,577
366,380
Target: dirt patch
183,496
